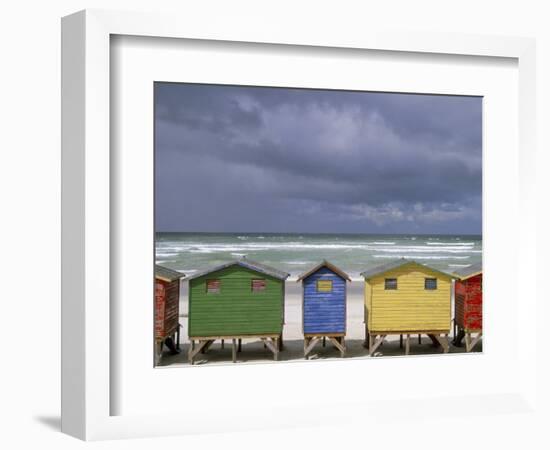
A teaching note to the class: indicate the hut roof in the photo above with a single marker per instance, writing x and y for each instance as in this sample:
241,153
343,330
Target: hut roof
383,268
329,266
246,263
469,272
166,274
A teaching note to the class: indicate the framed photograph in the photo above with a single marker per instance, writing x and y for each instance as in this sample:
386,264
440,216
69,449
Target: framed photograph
254,217
284,245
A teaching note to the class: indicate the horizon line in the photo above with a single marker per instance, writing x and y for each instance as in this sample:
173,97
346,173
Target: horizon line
322,233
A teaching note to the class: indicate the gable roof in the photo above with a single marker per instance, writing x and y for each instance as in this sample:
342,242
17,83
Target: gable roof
247,264
383,268
166,274
329,266
469,272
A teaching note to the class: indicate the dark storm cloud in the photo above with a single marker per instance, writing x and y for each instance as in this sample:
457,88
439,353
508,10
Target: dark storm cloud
267,159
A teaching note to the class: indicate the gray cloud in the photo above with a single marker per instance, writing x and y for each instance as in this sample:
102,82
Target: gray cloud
267,159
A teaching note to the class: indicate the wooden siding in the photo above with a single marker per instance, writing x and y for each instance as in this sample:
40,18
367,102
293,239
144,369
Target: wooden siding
368,301
324,312
166,308
410,307
468,303
236,309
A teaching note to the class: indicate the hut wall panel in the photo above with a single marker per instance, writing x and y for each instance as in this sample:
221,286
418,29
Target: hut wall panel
324,312
468,308
160,295
171,312
236,310
368,303
473,307
410,307
166,308
460,299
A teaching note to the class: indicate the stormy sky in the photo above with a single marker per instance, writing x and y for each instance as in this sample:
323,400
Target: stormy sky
255,159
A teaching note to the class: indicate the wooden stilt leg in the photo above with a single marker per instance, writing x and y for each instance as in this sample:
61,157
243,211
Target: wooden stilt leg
178,338
475,341
443,341
190,352
407,344
324,341
445,344
199,349
305,347
468,342
371,342
420,339
434,340
311,343
159,352
376,344
273,346
338,344
223,343
240,345
234,350
400,341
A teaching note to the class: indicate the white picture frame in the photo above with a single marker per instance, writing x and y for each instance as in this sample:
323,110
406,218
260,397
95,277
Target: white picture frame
87,323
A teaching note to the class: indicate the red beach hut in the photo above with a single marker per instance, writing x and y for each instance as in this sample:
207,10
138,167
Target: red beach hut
167,297
468,306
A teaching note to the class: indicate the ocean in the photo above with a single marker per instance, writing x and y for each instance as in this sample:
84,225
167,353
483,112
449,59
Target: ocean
295,253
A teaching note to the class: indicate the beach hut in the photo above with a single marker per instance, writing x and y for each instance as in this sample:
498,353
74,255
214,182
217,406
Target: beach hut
167,295
405,297
324,306
241,299
468,306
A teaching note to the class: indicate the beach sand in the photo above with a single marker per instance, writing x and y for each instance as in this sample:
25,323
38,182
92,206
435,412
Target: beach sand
253,350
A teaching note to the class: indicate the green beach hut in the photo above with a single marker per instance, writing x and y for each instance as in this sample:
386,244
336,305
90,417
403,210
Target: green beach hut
242,299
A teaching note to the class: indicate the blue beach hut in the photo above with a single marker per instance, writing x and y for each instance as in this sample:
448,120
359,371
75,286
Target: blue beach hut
324,306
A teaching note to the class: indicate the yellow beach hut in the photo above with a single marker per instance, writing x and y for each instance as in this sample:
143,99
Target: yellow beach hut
405,297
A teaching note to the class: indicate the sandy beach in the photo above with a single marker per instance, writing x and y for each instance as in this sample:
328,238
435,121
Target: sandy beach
253,351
